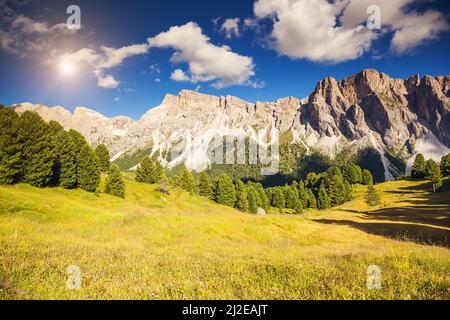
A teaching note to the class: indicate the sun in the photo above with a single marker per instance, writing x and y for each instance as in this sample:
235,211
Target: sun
66,68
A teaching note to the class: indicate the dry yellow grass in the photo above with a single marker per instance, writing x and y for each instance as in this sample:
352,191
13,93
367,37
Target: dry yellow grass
151,246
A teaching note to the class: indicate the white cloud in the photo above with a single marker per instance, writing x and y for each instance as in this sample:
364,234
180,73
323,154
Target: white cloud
231,28
107,82
207,62
324,31
114,57
116,99
179,76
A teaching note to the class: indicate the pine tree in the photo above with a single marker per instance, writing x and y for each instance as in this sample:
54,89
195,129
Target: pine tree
88,171
419,168
298,207
252,196
290,197
145,171
204,185
445,165
103,157
312,202
302,193
323,200
263,202
372,197
348,191
241,197
67,161
164,185
352,173
434,174
367,179
114,183
278,199
10,147
335,188
187,182
37,154
224,192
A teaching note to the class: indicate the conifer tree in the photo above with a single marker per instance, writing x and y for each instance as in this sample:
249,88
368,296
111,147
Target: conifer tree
252,196
103,157
298,207
66,171
241,197
187,182
278,199
352,173
88,172
419,168
10,147
302,193
335,188
114,183
372,197
204,185
445,165
37,154
367,179
291,197
312,202
323,200
263,202
145,171
434,174
225,192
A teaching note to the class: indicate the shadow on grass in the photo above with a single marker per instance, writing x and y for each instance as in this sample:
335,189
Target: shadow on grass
422,221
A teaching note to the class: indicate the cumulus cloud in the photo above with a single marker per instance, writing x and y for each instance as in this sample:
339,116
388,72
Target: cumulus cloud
179,76
231,27
324,31
206,61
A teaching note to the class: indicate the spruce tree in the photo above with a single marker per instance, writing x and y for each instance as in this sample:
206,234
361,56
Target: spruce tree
419,168
241,197
252,196
335,188
291,197
37,154
204,185
445,165
434,174
10,147
323,200
263,202
352,173
225,192
88,172
145,171
372,197
302,193
67,161
187,182
367,178
298,207
278,199
103,157
312,202
114,183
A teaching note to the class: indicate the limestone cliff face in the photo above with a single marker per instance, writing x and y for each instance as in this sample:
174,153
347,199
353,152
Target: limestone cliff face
369,109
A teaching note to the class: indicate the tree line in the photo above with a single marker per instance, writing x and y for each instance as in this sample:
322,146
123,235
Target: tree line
431,170
319,190
45,155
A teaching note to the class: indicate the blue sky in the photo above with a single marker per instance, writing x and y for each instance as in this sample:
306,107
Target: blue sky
270,63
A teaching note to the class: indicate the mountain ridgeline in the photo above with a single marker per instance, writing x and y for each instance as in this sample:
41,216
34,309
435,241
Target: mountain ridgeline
375,120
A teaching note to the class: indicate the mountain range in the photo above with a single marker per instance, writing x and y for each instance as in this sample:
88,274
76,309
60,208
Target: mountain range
400,117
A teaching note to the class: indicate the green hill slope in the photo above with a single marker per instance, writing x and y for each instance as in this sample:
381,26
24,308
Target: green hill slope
152,246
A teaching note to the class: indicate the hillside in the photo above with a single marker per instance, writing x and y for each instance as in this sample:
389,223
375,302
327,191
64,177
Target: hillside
151,246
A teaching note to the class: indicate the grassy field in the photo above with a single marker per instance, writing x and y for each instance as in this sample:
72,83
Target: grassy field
151,246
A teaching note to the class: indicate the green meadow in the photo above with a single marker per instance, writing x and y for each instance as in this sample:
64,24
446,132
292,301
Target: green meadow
177,246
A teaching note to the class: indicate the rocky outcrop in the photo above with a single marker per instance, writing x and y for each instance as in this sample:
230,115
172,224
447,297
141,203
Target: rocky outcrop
369,109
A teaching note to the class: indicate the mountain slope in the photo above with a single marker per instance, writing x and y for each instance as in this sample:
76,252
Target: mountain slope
367,110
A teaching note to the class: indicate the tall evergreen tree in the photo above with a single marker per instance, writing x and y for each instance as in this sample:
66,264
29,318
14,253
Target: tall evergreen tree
290,197
302,193
263,202
103,157
278,199
312,202
66,171
252,196
419,168
445,165
88,171
434,174
37,154
241,197
224,192
187,182
367,178
352,173
298,207
146,171
114,183
204,185
372,197
323,200
335,187
10,147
